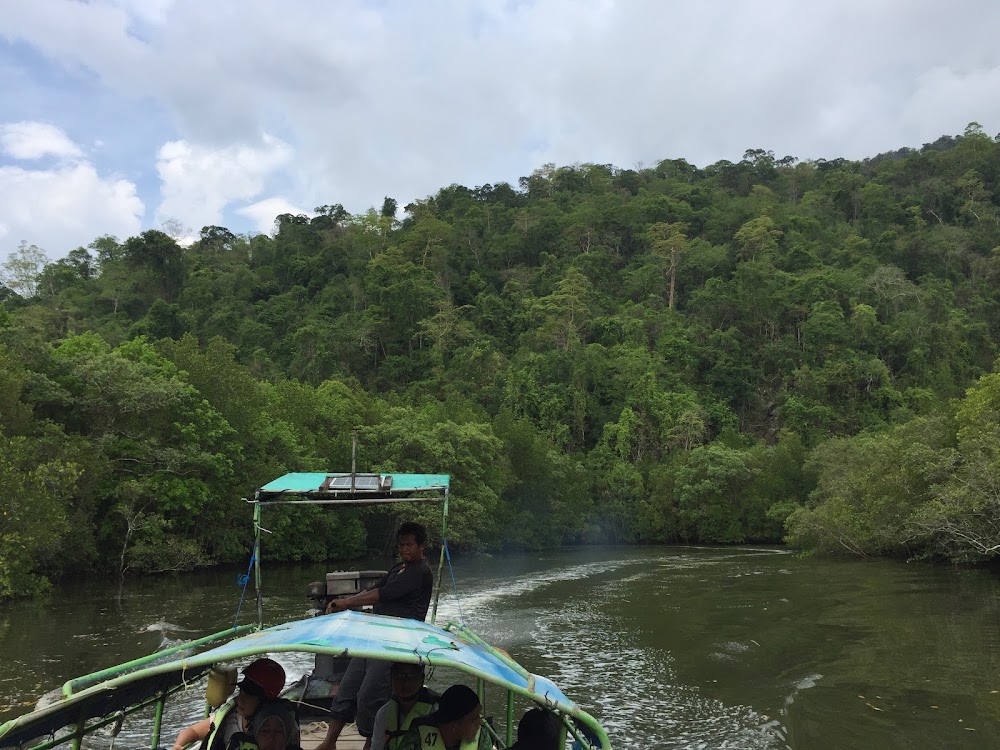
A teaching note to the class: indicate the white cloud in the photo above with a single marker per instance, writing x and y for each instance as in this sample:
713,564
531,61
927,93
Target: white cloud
200,181
34,140
264,212
400,98
95,35
150,11
62,208
943,97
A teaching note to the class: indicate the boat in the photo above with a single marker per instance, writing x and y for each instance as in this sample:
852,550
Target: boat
96,706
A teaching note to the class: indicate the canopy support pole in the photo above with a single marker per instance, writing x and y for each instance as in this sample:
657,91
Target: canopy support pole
437,578
256,564
510,720
158,721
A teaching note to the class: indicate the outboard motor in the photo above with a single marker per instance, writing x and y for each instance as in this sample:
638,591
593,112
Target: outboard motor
316,593
341,583
317,689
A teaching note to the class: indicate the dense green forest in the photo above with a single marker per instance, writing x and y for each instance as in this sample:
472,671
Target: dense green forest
747,352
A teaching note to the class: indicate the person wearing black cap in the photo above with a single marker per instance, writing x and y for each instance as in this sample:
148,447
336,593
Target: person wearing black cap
262,681
456,725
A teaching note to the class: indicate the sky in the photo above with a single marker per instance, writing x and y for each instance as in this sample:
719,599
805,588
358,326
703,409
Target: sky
118,116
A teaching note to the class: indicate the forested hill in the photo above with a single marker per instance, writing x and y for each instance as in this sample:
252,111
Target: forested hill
737,353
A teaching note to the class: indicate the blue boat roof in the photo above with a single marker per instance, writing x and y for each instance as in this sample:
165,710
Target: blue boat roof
326,483
380,637
342,634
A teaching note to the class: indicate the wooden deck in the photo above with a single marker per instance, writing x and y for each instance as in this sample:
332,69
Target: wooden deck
313,732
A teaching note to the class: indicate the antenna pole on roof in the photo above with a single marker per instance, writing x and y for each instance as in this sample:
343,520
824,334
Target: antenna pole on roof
354,457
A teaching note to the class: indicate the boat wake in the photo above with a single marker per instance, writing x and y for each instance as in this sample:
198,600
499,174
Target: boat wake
162,626
482,597
661,712
631,688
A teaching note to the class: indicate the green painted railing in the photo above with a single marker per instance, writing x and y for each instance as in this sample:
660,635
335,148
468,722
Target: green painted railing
80,683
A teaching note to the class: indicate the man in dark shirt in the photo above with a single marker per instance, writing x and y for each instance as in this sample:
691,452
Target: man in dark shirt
405,591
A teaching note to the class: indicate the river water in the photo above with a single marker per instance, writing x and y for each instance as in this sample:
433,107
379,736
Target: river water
669,647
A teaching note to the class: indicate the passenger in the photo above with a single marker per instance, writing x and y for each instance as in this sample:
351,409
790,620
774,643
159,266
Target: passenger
455,725
405,591
538,730
275,727
410,700
262,680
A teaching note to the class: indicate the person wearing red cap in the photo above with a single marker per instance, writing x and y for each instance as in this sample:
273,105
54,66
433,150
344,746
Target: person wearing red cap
262,681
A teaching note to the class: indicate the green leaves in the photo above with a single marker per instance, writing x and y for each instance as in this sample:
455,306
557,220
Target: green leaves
871,490
648,354
562,318
758,237
424,440
34,518
547,502
23,270
962,521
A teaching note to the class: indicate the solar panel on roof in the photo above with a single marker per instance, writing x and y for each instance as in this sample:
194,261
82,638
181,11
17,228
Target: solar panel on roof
365,482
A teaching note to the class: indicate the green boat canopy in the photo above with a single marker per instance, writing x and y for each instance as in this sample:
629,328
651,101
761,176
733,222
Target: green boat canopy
343,634
387,638
356,487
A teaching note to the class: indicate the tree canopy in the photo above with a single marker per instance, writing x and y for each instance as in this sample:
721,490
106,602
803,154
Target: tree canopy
667,354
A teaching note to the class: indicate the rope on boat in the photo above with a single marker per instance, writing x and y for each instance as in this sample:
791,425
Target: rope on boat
243,580
454,584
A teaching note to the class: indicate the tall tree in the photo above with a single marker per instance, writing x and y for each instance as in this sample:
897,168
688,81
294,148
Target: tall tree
23,269
667,242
